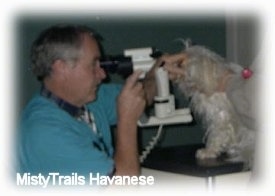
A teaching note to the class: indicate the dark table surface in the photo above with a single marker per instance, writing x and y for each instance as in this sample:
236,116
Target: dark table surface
181,160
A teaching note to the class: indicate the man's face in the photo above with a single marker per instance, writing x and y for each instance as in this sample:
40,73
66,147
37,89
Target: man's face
87,74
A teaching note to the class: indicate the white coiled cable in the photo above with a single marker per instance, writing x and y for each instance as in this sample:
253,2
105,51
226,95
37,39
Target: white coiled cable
151,145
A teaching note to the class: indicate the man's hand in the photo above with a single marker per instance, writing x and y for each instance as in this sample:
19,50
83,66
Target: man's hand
174,64
131,101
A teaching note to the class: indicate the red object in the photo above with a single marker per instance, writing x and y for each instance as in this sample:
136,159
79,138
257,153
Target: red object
247,73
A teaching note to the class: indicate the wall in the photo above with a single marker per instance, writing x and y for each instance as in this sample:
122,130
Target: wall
119,33
242,39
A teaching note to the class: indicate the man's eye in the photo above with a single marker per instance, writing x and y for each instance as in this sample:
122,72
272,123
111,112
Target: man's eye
96,62
93,63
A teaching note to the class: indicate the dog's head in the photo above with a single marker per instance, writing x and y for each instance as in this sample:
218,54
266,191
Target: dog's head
203,70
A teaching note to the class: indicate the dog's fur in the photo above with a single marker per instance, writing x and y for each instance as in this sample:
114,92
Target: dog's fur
223,99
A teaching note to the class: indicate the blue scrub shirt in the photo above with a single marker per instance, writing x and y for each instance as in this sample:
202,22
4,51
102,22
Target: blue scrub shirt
51,140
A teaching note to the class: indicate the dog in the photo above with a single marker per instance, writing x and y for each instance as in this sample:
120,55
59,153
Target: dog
223,94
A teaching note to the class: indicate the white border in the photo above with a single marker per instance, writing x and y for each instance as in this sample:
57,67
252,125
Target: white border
9,9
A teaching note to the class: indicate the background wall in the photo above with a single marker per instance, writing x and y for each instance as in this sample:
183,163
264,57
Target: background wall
122,32
242,39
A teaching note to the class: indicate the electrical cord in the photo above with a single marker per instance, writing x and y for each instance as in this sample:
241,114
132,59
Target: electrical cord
151,145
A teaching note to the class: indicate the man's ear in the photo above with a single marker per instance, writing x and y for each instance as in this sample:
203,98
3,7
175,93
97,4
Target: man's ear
59,68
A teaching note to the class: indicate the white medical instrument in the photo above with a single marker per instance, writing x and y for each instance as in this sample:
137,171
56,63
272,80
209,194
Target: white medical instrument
165,112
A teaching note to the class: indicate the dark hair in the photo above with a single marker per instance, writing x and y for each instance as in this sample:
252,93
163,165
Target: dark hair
57,42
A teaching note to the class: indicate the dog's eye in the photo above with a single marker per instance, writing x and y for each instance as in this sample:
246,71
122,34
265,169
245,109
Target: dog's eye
179,65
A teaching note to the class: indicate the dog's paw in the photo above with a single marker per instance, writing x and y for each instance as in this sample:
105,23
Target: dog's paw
206,153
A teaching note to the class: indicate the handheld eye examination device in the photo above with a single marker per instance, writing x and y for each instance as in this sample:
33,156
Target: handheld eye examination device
164,102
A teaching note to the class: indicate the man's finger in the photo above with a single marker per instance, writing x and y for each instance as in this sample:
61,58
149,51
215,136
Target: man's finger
132,79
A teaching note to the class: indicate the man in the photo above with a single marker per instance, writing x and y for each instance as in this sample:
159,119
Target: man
66,127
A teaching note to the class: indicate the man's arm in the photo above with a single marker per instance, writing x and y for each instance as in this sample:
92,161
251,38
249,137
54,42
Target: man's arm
131,104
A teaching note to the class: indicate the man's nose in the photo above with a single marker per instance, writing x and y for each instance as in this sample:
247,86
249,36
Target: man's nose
101,73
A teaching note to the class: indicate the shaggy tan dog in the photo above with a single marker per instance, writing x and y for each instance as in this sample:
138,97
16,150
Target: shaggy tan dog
223,95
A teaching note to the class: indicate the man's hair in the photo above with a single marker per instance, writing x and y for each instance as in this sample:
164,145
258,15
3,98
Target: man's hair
60,42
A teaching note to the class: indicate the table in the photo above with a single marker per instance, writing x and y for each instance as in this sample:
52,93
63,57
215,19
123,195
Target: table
181,160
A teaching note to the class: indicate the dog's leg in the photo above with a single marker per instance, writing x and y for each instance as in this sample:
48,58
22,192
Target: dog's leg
211,151
219,140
